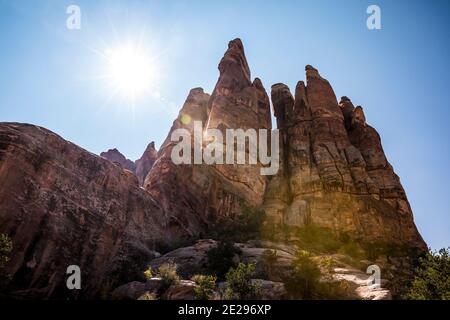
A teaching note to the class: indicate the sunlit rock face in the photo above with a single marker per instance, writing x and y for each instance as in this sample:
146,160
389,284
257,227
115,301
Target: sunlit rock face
62,205
194,196
334,171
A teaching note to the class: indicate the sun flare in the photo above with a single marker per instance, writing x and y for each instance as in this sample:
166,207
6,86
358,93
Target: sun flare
130,70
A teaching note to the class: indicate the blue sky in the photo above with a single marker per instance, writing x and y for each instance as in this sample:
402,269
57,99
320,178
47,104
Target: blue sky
50,76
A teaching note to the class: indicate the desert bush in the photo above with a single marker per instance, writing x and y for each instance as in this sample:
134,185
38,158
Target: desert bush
5,251
148,296
267,264
205,286
220,258
319,239
148,274
432,279
240,285
307,281
168,273
305,276
353,250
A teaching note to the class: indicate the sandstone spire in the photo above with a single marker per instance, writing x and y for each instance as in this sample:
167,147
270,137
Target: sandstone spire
335,172
145,162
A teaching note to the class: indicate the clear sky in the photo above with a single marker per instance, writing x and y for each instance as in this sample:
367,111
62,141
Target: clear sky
54,77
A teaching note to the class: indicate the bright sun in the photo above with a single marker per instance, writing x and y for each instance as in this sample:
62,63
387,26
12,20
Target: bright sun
130,70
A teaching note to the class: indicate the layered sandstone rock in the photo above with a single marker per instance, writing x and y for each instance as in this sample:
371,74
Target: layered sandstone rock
62,206
334,173
118,158
195,195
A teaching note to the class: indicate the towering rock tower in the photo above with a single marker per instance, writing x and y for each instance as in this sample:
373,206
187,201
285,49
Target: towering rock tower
196,195
334,173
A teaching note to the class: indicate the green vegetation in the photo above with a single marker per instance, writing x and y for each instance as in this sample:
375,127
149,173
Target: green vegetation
305,280
148,296
240,286
148,274
267,264
220,258
305,277
168,273
432,280
205,286
318,239
5,250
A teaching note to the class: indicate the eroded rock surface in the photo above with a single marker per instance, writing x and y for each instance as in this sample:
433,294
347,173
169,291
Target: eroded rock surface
62,206
196,195
118,158
334,173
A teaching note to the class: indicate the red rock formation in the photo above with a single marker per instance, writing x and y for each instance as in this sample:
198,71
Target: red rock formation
62,205
334,172
118,158
145,163
194,196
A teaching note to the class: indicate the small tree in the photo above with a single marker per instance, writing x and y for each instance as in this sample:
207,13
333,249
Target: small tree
432,280
220,258
168,273
305,277
267,263
148,274
205,286
240,285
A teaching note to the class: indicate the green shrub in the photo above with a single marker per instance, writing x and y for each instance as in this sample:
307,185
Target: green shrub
305,277
308,282
353,250
148,274
267,264
220,258
240,286
432,280
168,273
205,286
5,251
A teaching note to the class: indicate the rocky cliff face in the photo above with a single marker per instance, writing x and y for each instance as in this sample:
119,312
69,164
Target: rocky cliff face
334,171
62,205
140,167
118,158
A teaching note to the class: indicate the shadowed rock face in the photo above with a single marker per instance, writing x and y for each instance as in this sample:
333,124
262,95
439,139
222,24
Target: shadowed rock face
334,172
62,205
